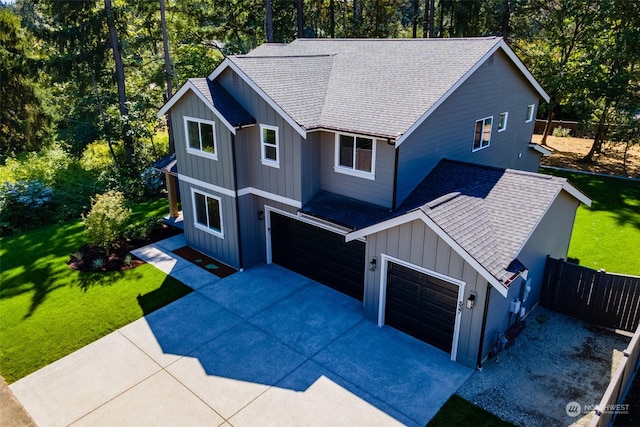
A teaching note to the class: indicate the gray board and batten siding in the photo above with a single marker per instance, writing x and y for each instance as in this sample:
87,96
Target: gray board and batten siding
415,243
495,87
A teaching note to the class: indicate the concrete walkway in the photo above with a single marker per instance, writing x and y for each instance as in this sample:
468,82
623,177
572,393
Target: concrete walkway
265,346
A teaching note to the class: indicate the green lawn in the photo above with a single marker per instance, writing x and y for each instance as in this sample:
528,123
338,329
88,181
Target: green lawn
457,412
48,310
606,235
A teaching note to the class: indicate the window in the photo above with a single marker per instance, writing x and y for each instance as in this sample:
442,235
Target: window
201,139
482,134
208,216
530,110
355,155
270,146
502,122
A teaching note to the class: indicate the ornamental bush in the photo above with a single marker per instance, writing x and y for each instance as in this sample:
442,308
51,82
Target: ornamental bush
106,221
23,204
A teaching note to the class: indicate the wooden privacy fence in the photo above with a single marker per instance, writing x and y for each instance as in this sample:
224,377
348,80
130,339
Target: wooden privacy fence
596,297
611,403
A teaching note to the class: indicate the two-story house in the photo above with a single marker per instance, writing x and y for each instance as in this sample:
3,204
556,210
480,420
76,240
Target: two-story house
399,172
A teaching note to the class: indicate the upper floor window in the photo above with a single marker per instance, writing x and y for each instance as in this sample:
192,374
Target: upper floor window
355,155
270,145
201,137
208,215
482,134
502,122
530,110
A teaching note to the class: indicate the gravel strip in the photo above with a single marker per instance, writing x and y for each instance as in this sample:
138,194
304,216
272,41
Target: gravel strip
555,360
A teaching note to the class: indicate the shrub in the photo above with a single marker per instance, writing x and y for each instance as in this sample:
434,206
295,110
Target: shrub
561,132
24,204
152,180
106,220
141,231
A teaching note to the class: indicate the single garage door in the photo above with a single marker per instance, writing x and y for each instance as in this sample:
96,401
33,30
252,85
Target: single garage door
319,254
421,305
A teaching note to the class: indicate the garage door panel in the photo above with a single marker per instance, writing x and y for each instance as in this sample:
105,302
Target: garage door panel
421,305
319,254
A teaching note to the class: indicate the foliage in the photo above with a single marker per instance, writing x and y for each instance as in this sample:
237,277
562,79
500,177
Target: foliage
606,234
140,231
106,220
47,311
23,202
561,132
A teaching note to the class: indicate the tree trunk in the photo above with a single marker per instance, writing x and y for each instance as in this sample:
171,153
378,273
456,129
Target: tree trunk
268,22
122,97
547,126
168,73
416,12
596,147
103,119
300,18
506,18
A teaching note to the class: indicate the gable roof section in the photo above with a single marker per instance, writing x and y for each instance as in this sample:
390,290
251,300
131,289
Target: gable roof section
217,99
486,214
380,87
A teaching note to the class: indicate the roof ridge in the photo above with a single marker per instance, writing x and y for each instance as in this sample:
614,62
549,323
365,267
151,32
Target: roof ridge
434,39
284,55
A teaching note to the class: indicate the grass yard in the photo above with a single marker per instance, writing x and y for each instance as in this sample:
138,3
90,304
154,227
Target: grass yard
457,412
48,310
606,235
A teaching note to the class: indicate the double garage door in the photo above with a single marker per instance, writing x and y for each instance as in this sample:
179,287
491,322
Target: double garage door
421,305
319,254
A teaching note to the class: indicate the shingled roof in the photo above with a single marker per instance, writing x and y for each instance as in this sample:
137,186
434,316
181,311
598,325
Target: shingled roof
379,87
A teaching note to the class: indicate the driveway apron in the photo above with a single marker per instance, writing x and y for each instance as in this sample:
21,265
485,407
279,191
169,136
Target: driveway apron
265,346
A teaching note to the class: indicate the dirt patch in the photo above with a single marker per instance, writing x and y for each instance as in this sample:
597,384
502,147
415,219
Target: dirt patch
205,262
12,413
568,151
552,363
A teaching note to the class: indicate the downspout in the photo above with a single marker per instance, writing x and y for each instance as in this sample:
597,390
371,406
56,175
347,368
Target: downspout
484,327
395,179
235,189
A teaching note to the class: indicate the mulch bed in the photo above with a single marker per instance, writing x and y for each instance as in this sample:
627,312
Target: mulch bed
119,258
205,262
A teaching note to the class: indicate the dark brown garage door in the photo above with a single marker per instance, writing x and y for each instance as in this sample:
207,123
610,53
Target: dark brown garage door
317,253
421,305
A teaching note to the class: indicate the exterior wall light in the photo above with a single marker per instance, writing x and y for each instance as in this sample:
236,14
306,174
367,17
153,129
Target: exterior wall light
261,215
471,300
372,264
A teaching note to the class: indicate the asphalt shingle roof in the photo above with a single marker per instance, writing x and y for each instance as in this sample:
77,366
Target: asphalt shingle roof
232,111
376,86
490,212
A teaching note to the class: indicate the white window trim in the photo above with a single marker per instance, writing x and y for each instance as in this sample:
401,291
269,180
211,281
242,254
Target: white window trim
473,150
202,227
263,159
352,171
531,110
200,152
506,119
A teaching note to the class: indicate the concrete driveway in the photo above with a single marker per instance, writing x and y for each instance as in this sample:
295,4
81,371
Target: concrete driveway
265,346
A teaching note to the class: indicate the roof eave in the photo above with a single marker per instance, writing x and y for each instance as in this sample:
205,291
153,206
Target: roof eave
419,214
540,149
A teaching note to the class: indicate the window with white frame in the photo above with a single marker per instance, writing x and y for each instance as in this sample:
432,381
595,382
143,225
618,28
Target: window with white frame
270,145
208,212
530,110
502,121
482,133
355,155
201,137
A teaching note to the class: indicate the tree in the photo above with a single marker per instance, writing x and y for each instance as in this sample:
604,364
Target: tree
25,121
106,220
268,21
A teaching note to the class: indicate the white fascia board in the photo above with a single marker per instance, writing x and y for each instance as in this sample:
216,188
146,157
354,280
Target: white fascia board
228,63
540,149
190,86
514,58
270,196
576,193
419,214
523,69
211,187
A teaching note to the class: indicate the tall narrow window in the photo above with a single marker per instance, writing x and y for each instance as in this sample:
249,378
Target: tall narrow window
530,110
270,146
502,122
208,216
482,133
201,137
355,155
